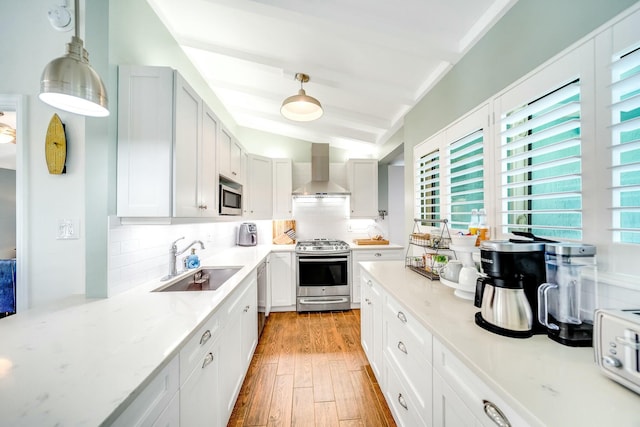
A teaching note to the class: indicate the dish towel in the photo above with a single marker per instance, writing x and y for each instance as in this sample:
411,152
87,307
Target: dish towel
7,286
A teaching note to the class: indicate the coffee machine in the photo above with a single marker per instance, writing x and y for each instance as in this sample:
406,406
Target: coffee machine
507,291
569,298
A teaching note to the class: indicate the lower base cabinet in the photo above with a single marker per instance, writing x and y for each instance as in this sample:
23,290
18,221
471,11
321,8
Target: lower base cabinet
423,383
199,386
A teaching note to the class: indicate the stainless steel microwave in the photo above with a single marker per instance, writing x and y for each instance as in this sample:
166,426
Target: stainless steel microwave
230,200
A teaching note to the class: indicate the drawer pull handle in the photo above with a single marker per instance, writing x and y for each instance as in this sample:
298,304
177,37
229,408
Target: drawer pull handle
378,254
402,401
402,317
246,308
207,359
205,337
495,414
402,347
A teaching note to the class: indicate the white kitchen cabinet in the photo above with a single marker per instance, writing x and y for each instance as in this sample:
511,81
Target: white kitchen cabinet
151,404
362,178
282,188
196,130
240,337
166,146
199,395
145,141
407,357
282,280
258,201
460,397
371,324
199,374
377,254
230,157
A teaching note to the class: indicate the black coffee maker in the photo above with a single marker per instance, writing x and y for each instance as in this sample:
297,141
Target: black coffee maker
507,292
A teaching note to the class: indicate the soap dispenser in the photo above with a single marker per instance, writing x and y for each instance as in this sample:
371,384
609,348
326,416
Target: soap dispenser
192,260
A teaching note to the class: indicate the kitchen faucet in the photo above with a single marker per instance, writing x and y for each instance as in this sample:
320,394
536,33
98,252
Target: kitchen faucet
174,254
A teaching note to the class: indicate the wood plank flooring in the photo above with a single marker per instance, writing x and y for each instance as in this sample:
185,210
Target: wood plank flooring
310,370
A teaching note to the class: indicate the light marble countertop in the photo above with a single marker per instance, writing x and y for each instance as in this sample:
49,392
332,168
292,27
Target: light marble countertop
547,383
82,362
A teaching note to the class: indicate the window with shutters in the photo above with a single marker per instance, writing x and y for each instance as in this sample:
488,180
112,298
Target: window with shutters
428,186
541,166
466,178
625,147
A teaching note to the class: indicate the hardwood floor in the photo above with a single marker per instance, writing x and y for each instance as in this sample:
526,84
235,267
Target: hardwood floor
310,370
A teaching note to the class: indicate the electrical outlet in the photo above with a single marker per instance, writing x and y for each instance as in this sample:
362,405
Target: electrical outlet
68,229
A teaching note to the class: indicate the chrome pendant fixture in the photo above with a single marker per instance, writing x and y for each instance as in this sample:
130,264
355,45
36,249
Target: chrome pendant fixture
301,107
71,84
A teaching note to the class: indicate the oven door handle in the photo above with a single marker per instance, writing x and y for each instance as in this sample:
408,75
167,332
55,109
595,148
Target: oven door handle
324,301
322,260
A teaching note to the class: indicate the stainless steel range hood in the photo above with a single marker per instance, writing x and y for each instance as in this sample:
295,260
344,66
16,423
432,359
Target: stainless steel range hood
320,185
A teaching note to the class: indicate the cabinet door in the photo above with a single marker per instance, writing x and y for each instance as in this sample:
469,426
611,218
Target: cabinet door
259,188
379,254
249,322
448,408
224,154
188,128
235,161
199,395
372,324
366,317
145,141
208,177
282,188
282,276
363,184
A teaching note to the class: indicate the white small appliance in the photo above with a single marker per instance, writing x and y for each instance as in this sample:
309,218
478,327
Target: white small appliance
247,234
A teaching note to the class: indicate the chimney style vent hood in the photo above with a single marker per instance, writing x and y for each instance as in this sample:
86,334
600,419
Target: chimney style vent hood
320,186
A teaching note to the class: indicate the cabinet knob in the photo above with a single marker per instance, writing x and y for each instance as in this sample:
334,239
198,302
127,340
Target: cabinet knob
369,282
495,414
207,359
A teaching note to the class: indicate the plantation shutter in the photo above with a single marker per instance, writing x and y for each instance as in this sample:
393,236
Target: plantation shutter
625,147
466,178
541,183
428,185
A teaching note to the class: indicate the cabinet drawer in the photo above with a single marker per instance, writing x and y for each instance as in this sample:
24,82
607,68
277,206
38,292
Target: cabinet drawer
410,362
194,350
378,254
404,323
402,401
474,393
153,399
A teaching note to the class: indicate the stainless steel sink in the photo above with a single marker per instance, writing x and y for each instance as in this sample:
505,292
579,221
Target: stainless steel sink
204,279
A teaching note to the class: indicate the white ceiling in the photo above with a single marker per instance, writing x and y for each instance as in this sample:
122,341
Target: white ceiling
370,61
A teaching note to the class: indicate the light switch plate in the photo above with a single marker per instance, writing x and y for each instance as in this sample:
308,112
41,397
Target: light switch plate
68,229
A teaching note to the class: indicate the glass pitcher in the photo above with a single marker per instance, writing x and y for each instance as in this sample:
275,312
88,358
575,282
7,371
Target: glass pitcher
567,300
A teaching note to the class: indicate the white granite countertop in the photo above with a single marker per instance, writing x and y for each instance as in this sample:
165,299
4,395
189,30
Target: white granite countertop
547,383
78,364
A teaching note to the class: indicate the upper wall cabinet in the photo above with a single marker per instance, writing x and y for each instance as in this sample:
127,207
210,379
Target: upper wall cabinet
166,146
259,188
230,157
282,188
362,176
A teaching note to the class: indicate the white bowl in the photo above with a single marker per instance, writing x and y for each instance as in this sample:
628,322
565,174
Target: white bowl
468,240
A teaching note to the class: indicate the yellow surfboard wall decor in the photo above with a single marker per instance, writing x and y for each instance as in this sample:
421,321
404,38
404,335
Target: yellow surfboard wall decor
55,146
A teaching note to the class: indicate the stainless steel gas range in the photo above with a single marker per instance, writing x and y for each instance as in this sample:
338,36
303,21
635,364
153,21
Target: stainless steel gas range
323,278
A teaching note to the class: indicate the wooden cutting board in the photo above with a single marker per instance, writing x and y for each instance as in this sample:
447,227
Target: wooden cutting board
279,230
370,242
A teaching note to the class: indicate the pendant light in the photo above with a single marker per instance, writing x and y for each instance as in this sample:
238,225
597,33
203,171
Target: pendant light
301,107
70,84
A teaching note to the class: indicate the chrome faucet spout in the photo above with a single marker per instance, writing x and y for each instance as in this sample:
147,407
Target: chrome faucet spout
175,253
